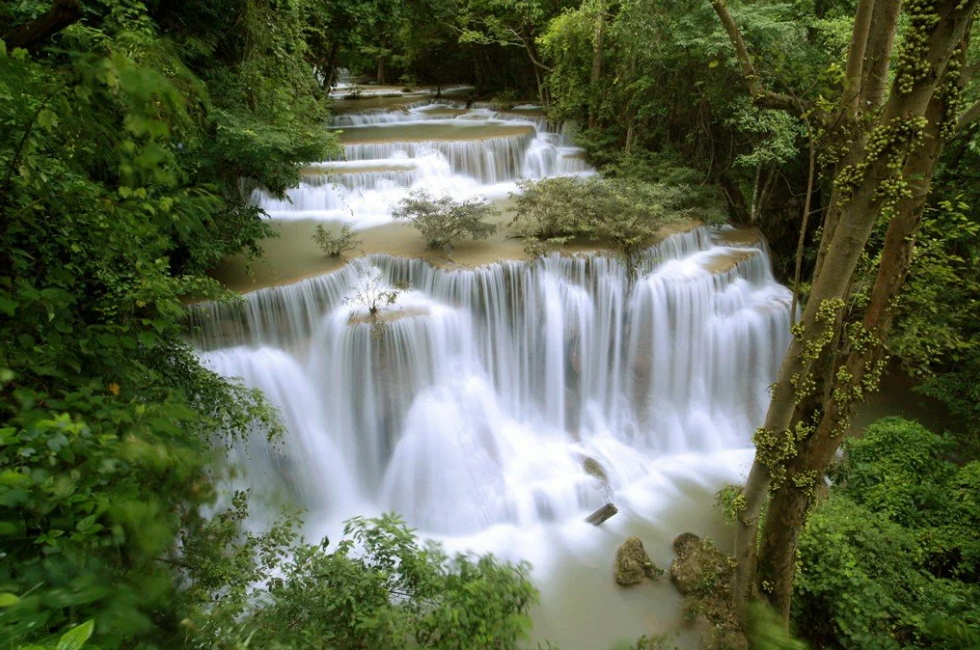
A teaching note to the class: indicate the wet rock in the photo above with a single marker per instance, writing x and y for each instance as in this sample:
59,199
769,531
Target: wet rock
592,467
602,514
633,564
685,543
700,568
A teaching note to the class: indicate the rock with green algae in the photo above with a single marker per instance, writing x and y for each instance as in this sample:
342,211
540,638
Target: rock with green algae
633,564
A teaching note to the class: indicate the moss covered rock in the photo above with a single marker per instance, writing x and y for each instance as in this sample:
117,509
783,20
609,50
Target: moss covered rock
704,575
633,564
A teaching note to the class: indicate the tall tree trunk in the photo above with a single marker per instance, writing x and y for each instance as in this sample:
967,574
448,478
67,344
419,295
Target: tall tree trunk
756,195
596,78
383,61
330,67
860,193
858,372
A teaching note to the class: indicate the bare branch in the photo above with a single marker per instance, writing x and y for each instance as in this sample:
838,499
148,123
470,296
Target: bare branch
806,220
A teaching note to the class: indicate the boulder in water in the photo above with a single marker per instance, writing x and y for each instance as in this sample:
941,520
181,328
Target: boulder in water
699,567
633,564
704,575
685,543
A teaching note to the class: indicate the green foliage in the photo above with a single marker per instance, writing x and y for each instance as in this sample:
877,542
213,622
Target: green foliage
625,213
379,587
702,201
731,500
444,222
894,547
336,245
122,148
667,74
766,632
74,639
936,333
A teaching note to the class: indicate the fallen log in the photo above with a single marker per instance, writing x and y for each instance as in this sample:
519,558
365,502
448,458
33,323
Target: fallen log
602,514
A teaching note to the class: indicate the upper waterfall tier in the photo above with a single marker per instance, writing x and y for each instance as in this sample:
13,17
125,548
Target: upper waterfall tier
440,147
495,384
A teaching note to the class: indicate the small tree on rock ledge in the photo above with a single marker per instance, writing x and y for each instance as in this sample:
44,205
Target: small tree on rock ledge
443,222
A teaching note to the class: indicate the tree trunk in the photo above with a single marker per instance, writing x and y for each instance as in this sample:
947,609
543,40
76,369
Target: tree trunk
860,364
756,195
331,65
596,77
858,197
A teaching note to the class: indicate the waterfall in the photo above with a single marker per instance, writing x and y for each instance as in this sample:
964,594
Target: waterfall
437,145
474,399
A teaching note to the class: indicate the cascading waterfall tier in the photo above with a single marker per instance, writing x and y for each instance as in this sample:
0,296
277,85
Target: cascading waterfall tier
438,146
475,398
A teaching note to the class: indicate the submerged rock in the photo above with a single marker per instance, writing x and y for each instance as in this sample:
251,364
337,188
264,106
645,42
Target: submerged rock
592,467
633,564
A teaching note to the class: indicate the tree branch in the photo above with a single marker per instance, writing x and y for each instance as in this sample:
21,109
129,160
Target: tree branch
61,14
878,52
855,58
806,221
969,116
760,95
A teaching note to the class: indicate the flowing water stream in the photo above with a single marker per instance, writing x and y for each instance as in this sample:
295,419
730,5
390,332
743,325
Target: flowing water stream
472,403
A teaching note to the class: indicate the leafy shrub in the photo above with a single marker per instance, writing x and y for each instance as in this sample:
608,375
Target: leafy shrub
895,544
139,142
444,222
380,587
336,245
704,201
626,213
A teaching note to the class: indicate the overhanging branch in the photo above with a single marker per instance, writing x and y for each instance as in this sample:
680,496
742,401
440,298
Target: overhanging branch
759,94
61,14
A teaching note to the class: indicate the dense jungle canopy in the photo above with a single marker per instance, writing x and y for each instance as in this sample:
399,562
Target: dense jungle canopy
132,134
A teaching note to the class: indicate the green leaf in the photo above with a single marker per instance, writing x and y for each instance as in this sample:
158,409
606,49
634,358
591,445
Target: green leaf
8,306
8,600
76,637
